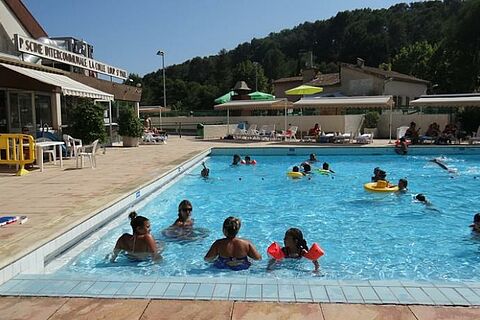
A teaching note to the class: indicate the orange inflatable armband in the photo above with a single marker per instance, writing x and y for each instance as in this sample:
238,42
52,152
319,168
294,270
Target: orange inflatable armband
253,162
243,162
314,253
275,251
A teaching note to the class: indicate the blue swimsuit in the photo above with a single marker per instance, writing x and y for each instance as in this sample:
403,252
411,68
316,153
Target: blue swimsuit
235,264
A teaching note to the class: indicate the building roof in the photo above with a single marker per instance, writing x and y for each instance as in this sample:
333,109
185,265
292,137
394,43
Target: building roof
26,18
327,79
289,79
384,74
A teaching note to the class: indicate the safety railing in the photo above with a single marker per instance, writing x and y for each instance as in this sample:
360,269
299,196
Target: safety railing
18,150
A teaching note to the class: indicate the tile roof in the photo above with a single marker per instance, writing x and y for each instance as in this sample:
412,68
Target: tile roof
327,79
26,18
384,74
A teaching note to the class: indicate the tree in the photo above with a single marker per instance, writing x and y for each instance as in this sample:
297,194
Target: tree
416,60
87,121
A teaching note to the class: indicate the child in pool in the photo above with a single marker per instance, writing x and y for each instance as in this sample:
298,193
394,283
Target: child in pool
326,166
141,244
236,159
295,247
232,252
205,171
476,223
402,185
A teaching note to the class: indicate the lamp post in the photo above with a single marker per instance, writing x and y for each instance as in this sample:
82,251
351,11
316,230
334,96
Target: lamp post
391,111
162,53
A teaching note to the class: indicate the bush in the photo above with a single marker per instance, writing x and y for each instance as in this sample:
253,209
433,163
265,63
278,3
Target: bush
470,119
129,125
87,121
371,119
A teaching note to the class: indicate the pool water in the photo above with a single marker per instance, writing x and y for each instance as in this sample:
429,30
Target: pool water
365,235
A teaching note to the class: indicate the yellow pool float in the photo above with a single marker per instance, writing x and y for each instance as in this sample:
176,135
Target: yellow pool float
380,186
295,175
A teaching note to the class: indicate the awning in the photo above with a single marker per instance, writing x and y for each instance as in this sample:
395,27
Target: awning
346,102
69,87
445,101
153,109
255,105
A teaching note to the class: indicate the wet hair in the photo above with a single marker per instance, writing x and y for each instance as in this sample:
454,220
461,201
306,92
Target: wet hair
297,235
136,221
325,166
247,158
313,157
476,218
404,181
181,205
420,197
376,170
236,159
296,169
205,171
306,167
231,226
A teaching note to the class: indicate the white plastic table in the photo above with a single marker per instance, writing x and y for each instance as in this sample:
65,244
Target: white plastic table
40,146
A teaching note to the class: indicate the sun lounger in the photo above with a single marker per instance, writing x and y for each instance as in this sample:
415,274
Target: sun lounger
364,138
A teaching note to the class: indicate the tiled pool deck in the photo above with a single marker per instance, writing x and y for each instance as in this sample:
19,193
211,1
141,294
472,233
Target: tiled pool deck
57,200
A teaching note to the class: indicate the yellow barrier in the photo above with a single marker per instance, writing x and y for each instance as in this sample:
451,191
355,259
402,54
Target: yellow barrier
17,149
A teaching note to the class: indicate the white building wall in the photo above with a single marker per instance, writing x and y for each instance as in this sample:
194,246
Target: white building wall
10,22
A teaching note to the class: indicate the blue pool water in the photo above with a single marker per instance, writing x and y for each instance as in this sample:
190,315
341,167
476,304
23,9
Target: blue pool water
365,235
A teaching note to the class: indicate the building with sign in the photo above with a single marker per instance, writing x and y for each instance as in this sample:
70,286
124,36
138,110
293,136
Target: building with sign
41,78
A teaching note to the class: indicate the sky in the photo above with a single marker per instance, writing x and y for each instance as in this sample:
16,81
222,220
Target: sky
127,34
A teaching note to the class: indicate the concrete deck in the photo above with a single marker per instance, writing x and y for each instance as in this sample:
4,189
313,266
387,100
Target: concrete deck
78,309
58,199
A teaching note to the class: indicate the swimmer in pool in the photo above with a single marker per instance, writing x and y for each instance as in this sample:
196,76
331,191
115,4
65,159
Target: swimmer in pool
205,171
141,244
232,252
476,223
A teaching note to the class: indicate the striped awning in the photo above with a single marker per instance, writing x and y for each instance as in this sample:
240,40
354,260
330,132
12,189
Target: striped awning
68,86
346,102
255,105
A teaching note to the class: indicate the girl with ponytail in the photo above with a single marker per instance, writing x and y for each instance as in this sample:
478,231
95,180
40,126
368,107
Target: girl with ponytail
139,245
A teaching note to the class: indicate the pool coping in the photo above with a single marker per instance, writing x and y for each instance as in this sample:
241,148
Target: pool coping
27,278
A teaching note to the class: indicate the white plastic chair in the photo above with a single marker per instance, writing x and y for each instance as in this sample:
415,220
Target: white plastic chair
89,152
401,131
72,144
476,136
52,154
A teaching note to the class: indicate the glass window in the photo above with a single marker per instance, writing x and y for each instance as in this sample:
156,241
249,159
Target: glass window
21,112
43,110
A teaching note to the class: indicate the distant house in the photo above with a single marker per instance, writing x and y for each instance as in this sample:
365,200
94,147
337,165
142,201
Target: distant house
358,80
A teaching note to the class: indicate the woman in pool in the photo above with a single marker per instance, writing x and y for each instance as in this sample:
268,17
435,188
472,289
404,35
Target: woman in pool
141,244
295,247
184,215
232,252
326,166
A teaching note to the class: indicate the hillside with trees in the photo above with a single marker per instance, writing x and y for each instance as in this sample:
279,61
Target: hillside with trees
437,41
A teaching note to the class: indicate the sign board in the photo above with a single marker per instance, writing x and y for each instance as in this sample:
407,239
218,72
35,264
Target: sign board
42,50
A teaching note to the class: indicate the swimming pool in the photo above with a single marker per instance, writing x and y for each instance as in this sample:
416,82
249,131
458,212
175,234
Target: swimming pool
365,235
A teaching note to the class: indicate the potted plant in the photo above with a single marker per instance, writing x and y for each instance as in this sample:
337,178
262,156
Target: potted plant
371,122
129,127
